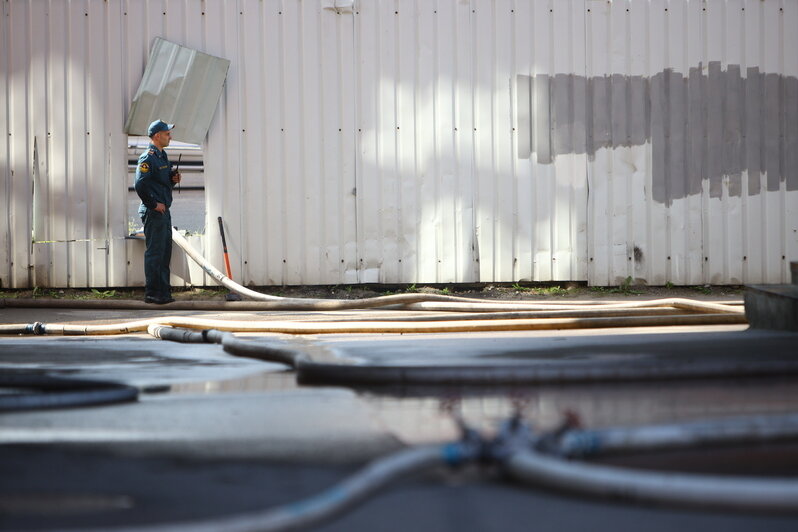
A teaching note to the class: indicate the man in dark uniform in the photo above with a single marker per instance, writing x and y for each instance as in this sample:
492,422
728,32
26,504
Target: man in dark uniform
154,182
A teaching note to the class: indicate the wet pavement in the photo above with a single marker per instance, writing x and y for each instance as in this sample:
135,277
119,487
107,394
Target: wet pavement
93,489
232,433
200,383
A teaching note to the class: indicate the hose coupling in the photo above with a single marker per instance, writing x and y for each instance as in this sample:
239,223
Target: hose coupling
38,328
469,448
561,440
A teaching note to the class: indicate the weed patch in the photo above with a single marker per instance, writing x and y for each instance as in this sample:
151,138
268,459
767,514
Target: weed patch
551,291
625,288
103,294
705,289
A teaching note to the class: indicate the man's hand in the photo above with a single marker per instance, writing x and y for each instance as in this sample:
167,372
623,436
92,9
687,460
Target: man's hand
176,178
160,207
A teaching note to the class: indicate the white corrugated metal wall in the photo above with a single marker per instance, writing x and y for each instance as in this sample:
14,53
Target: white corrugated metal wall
721,103
280,161
419,141
442,195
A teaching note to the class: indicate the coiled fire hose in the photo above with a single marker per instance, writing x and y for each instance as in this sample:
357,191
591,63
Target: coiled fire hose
58,392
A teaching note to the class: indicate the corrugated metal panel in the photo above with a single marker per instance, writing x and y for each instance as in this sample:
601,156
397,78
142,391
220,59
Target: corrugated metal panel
47,57
419,141
415,116
69,72
694,176
283,155
441,192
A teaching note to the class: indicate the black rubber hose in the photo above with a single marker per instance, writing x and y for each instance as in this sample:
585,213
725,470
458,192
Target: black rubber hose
183,336
58,392
310,371
269,353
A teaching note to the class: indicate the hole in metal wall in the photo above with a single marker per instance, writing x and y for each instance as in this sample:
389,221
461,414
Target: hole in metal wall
188,207
181,86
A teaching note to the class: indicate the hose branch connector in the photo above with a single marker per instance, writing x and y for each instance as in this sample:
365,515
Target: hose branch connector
514,435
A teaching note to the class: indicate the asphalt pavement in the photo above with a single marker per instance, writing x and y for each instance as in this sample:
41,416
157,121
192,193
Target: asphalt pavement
216,434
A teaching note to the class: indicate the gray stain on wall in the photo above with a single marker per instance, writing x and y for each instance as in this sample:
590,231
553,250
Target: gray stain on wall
704,126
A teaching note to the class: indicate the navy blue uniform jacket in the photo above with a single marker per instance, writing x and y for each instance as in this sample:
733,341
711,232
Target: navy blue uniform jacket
153,182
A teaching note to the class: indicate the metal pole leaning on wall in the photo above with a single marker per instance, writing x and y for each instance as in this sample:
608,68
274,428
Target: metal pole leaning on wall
231,296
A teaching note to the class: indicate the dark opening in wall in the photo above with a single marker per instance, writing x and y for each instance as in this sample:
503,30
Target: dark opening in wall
188,207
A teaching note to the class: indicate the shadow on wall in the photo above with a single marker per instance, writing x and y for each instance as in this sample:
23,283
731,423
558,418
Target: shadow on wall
702,127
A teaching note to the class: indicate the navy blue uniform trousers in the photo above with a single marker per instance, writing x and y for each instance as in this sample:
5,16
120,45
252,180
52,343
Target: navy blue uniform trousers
158,238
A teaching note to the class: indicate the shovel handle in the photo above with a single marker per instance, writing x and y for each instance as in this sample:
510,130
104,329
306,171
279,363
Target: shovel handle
224,248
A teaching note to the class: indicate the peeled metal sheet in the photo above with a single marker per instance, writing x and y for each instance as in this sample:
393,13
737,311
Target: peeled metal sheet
180,86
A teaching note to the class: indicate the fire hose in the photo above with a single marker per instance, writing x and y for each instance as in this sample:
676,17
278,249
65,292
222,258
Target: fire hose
341,371
537,460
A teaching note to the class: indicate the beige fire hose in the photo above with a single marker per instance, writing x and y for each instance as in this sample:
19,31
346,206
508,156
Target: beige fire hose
515,316
304,327
436,302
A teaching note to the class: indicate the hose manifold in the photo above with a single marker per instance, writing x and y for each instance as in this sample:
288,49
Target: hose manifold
513,436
